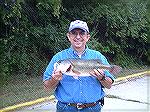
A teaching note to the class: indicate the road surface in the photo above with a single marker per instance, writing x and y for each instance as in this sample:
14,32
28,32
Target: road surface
126,96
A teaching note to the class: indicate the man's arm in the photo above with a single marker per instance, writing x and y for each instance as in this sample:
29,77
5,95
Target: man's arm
107,82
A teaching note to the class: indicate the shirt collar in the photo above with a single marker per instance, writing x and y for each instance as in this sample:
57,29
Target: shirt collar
72,51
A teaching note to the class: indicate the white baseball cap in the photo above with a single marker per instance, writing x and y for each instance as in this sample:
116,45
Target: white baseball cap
78,24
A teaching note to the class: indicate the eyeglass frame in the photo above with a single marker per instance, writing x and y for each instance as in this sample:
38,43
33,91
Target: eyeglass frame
81,34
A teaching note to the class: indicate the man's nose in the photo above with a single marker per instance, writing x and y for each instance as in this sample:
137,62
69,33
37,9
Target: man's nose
78,36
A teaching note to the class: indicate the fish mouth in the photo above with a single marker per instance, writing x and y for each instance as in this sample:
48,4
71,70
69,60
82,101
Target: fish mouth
69,68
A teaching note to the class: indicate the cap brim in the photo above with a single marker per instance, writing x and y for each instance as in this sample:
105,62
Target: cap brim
78,28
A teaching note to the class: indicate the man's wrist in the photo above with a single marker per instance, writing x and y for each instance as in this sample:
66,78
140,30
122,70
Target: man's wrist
55,79
103,78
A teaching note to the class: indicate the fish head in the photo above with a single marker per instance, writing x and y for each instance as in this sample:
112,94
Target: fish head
63,66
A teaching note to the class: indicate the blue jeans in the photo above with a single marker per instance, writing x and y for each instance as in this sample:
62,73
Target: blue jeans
64,107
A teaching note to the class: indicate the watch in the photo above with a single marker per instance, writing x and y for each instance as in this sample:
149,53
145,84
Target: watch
103,78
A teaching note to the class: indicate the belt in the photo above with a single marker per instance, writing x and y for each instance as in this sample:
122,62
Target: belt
81,105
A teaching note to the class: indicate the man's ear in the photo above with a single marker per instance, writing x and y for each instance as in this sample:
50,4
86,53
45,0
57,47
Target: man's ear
68,36
88,37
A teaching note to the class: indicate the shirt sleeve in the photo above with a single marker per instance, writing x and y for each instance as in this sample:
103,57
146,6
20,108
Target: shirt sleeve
49,70
108,74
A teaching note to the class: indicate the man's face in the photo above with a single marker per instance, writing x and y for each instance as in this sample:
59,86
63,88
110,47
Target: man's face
78,38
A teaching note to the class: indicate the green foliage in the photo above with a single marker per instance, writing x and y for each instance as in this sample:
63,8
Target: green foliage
126,61
27,37
54,4
123,26
33,31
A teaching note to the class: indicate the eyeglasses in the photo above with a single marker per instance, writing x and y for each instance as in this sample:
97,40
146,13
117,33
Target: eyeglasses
74,33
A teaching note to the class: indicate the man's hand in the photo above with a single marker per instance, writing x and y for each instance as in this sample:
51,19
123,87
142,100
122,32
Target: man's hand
53,82
98,73
57,75
105,81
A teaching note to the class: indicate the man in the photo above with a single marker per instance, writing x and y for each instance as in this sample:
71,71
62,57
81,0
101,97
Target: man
82,94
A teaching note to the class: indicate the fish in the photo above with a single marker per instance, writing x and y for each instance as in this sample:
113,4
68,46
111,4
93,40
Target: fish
83,67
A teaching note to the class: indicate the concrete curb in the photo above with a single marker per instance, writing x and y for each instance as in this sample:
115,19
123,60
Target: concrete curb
132,76
11,108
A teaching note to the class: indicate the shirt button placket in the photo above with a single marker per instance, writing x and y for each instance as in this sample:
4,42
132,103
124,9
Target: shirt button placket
81,85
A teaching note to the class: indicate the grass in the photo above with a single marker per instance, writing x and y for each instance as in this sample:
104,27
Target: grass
24,88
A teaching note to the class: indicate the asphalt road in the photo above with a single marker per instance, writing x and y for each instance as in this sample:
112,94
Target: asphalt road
127,96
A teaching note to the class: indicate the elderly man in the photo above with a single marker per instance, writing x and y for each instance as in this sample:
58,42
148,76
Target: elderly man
82,94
